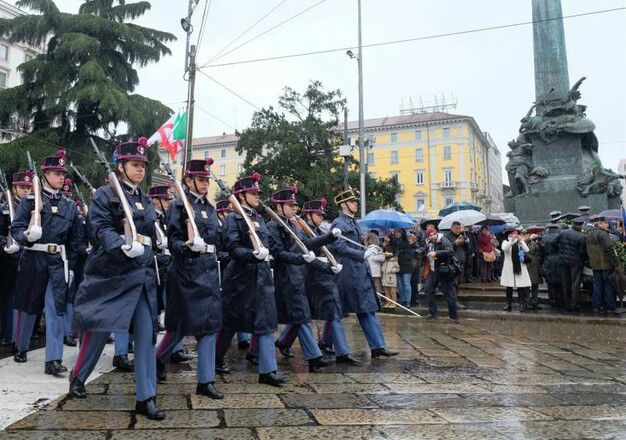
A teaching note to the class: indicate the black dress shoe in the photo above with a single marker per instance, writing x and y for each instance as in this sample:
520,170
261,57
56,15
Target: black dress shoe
77,388
149,409
252,358
221,368
131,347
271,379
243,345
55,368
20,357
179,356
326,349
507,308
110,339
285,351
161,327
347,359
317,363
460,306
377,352
208,389
161,374
69,341
123,363
5,342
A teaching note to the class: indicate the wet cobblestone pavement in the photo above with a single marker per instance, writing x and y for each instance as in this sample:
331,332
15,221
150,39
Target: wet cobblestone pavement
481,379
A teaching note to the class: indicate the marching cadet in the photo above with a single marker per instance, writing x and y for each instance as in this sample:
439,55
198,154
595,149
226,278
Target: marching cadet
355,282
290,271
43,271
81,252
119,288
223,209
247,286
161,198
321,287
193,305
21,186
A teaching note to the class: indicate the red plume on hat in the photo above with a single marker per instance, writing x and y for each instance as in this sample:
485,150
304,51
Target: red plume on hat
324,203
61,154
256,177
210,161
142,141
68,182
294,189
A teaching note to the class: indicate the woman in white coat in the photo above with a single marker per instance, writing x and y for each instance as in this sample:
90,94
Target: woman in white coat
375,258
514,271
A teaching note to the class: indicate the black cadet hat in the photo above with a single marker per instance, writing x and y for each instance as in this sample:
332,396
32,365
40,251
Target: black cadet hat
54,163
160,192
133,150
223,206
198,167
314,206
345,196
246,184
285,196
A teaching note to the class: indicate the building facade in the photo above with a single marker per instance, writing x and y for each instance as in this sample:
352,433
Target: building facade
621,170
496,190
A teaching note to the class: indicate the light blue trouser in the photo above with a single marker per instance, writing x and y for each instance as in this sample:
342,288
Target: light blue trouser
263,346
122,339
92,344
55,328
372,330
334,336
206,353
404,287
304,333
69,315
243,337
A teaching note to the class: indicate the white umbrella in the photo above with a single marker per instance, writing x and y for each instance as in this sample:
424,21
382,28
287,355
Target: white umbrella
508,217
466,218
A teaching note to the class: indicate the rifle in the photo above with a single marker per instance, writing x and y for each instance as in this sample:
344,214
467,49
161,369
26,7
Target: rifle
9,199
192,228
83,179
234,202
130,231
35,216
343,237
286,227
82,199
307,229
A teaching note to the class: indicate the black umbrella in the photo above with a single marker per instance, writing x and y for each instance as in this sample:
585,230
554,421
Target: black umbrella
429,221
491,220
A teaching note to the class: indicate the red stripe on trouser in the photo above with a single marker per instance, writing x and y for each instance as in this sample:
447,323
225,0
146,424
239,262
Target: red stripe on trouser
326,333
290,336
252,343
19,323
164,342
84,345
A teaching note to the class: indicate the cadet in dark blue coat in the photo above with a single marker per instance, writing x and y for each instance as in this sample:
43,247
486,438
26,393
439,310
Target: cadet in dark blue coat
321,288
75,265
119,288
21,186
356,286
290,268
247,286
223,208
43,271
194,303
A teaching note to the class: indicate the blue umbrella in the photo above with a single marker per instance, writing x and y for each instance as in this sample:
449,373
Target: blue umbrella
386,219
459,206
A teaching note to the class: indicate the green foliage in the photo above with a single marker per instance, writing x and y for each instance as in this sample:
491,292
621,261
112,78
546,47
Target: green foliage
620,250
296,144
84,82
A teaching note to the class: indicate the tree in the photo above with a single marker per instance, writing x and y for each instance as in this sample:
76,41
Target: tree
297,143
84,82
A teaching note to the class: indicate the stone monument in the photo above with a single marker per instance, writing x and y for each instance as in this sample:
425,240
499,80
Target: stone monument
553,163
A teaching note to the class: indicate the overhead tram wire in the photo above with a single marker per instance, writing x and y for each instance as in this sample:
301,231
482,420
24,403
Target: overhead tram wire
205,14
410,40
245,32
267,31
215,117
230,90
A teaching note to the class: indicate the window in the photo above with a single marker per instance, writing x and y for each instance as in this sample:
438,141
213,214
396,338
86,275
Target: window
370,158
394,137
222,170
394,177
419,177
447,152
223,153
3,80
394,156
419,155
206,154
418,135
4,52
420,204
446,132
447,176
449,201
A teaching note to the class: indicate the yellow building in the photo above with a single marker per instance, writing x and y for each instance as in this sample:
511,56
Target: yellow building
438,158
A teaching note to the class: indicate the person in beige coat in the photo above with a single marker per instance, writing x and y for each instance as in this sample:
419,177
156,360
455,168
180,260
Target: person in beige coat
389,280
514,271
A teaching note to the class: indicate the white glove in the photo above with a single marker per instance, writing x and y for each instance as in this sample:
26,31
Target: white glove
309,256
12,249
197,245
336,232
163,244
134,250
71,277
89,249
336,269
34,233
261,254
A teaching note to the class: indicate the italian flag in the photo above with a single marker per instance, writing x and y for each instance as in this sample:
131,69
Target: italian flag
170,135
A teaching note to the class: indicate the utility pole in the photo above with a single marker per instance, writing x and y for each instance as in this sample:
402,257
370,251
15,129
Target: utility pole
361,136
190,68
346,141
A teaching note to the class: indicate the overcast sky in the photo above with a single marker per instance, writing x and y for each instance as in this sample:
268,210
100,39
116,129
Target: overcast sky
491,73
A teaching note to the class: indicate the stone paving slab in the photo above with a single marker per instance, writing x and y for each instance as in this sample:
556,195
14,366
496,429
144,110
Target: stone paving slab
267,417
488,414
186,434
181,419
564,430
375,416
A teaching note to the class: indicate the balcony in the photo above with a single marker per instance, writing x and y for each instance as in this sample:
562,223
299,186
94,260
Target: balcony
448,184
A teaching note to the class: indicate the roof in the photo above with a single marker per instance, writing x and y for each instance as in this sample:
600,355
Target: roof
420,118
215,140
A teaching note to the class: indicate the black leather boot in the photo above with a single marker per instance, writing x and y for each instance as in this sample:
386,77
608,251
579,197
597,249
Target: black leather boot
208,389
243,345
123,363
149,409
221,368
20,357
77,388
55,368
69,341
285,351
326,349
161,374
347,359
316,364
377,352
179,356
271,379
252,358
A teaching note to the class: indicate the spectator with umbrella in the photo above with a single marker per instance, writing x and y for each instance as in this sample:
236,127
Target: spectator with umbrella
487,254
514,271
